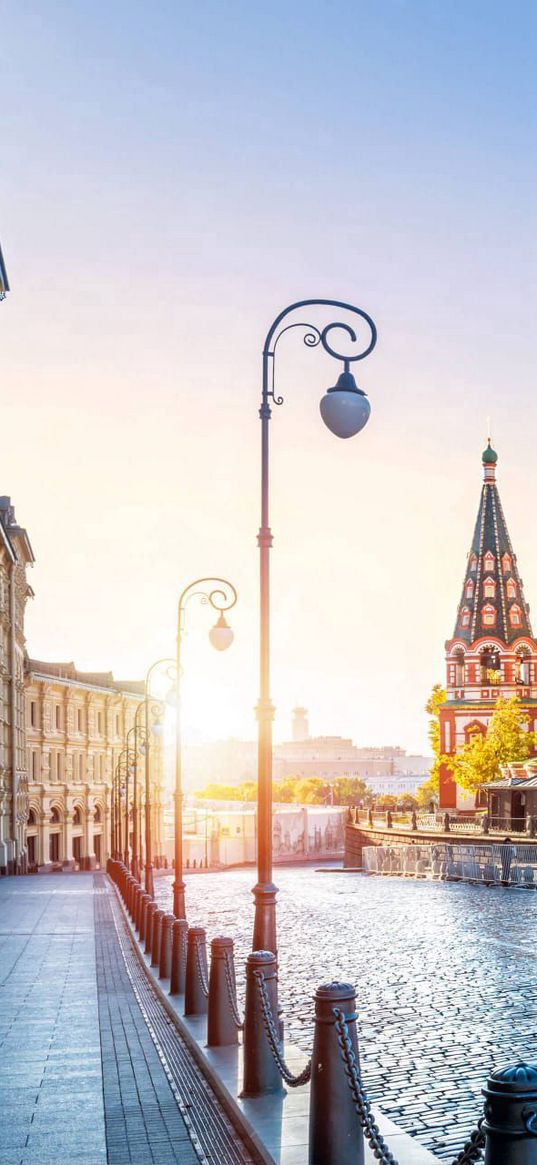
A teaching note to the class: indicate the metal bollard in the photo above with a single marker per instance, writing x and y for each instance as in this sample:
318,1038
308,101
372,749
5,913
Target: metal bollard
144,903
129,887
261,1073
139,905
335,1133
178,971
196,972
136,895
165,961
151,911
155,937
222,1015
510,1124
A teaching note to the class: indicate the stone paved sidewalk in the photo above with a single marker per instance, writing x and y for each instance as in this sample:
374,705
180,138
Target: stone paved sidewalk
81,1081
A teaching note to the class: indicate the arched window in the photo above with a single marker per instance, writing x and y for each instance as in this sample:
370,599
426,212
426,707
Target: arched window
489,588
31,817
76,816
472,565
469,590
489,659
507,564
465,617
97,815
489,615
458,659
488,561
511,588
54,816
522,666
515,615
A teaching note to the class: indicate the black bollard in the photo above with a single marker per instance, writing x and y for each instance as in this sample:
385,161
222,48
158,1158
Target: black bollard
151,911
165,962
261,1074
155,937
510,1124
178,972
144,903
222,1004
335,1135
196,972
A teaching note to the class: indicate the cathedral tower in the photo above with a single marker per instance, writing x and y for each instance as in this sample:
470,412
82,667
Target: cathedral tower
492,652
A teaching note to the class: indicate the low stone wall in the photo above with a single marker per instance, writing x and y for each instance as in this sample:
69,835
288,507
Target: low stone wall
357,836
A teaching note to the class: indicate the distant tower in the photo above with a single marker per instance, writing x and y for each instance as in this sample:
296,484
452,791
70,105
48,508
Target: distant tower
492,652
301,728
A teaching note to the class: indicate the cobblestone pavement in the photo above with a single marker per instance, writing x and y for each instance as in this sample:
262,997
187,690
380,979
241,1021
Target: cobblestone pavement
91,1069
446,977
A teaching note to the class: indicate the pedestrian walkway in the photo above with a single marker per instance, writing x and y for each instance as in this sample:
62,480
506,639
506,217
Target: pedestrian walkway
85,1078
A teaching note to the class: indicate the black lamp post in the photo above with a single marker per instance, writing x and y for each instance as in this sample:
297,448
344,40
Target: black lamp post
345,410
221,596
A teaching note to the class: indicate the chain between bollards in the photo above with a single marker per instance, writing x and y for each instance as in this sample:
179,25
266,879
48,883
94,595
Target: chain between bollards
473,1149
268,1021
201,975
232,991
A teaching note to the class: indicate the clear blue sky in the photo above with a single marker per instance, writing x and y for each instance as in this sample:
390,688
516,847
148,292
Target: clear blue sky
172,175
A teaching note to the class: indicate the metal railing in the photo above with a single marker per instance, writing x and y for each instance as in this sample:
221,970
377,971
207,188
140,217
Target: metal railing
442,822
513,864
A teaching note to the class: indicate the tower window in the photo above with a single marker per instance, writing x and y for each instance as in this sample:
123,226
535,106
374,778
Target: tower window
489,615
489,588
470,589
507,564
465,617
511,589
488,561
473,562
515,616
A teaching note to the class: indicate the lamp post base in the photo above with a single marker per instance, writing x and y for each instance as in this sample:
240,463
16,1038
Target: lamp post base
265,917
179,908
149,886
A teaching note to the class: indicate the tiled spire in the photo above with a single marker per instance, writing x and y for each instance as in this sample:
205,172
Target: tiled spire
492,602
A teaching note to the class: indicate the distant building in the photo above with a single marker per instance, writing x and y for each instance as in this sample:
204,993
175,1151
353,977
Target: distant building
492,652
231,762
76,727
15,557
4,284
396,784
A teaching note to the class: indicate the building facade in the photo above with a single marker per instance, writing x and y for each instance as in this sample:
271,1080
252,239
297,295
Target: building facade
492,652
15,558
76,728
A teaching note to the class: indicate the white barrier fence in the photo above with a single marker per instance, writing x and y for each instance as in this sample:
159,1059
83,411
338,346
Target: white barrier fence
507,864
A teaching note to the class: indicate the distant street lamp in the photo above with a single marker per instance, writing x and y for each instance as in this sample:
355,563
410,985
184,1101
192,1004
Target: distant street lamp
221,596
345,410
138,733
153,711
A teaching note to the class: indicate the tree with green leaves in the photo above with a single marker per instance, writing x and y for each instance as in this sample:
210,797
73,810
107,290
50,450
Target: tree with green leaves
436,699
506,740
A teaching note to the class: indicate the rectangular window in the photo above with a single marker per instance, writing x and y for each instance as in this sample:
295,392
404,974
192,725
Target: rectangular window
33,713
117,725
100,723
79,720
34,765
58,716
52,765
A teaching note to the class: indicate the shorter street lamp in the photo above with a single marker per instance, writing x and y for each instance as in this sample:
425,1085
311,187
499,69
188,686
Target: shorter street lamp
221,596
152,711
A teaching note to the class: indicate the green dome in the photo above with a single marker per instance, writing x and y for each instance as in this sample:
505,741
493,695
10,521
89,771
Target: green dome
489,456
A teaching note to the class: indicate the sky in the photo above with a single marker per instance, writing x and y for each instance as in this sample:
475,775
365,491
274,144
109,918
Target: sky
172,176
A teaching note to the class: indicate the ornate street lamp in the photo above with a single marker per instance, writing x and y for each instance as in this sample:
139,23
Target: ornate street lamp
139,740
221,596
345,410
